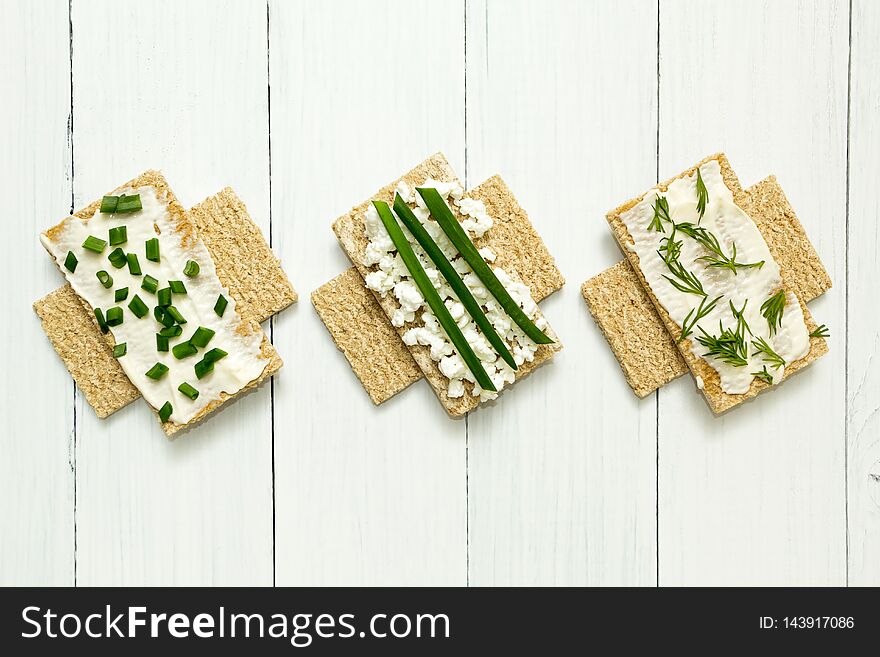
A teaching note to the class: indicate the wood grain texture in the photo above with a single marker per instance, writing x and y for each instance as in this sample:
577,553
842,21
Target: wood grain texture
359,499
37,442
863,336
561,475
197,510
757,496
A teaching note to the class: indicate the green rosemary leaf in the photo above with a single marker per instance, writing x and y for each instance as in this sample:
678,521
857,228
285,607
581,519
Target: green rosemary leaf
766,351
702,196
682,279
820,332
764,376
687,326
772,309
661,214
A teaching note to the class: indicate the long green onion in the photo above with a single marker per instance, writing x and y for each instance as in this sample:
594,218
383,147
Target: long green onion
206,365
134,267
114,316
459,238
70,262
138,307
166,411
150,284
183,350
130,203
102,324
120,349
108,204
177,287
152,247
118,235
430,294
188,390
120,295
161,342
95,244
191,268
105,279
461,290
117,258
220,306
201,337
157,371
163,296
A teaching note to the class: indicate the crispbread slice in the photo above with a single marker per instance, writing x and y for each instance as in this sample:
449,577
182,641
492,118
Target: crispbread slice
218,214
718,400
515,243
634,330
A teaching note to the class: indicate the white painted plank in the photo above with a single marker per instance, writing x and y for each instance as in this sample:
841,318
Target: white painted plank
757,496
36,466
181,87
863,337
562,103
361,92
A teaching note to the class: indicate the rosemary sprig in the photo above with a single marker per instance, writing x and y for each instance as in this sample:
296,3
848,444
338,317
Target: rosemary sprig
764,376
661,214
820,332
687,326
670,248
772,309
766,351
741,324
718,258
702,196
683,280
729,347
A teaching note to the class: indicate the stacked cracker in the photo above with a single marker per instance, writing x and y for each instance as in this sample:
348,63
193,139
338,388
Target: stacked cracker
359,320
640,331
245,266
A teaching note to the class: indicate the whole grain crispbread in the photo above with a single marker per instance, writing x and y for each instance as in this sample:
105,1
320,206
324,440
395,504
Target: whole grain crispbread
621,307
718,400
519,249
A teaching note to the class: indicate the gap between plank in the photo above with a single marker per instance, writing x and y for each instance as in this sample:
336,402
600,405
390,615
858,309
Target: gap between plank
271,319
846,307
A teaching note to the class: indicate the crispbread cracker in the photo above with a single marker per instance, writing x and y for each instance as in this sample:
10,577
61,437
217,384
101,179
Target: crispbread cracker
622,308
529,252
186,230
718,400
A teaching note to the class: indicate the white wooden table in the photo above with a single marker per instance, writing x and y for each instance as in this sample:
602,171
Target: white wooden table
306,108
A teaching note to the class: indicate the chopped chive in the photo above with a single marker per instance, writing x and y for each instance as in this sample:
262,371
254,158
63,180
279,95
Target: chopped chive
129,203
183,350
201,337
102,324
118,235
95,244
166,411
215,354
177,287
461,290
161,342
121,294
171,310
114,316
163,317
149,284
117,258
203,368
70,262
459,238
414,266
164,296
108,204
157,371
120,350
220,306
138,307
153,249
189,391
171,331
191,268
105,278
134,267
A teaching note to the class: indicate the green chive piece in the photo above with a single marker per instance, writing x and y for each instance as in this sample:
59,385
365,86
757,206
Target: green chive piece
157,371
414,266
203,368
120,350
161,342
102,324
149,284
70,262
105,278
215,354
183,350
114,316
153,249
134,267
171,310
118,235
138,307
117,258
220,306
95,244
177,287
191,268
121,294
201,337
164,296
130,203
166,411
108,204
189,391
461,290
459,238
163,317
171,331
